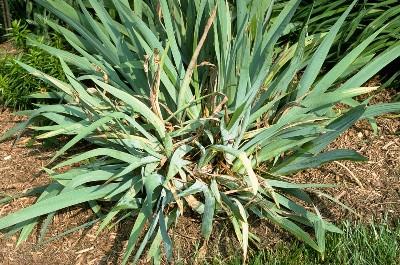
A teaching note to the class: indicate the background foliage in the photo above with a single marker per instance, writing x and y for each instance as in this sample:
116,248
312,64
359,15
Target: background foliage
363,20
16,85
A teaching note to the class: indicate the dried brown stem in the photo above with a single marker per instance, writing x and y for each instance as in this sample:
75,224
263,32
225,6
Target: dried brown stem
193,62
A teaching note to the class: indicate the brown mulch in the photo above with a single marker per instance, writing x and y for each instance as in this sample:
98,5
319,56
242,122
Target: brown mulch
372,189
20,170
8,48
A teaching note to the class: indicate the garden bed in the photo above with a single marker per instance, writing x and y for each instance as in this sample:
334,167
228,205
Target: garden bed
372,189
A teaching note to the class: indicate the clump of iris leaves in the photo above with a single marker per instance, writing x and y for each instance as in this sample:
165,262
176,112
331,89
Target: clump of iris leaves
194,106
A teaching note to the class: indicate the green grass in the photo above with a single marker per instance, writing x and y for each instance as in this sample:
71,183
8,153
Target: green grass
358,245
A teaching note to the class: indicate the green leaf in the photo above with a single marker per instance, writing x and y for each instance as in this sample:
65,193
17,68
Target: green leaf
134,236
56,203
373,67
122,156
320,55
380,109
208,214
311,161
339,69
136,105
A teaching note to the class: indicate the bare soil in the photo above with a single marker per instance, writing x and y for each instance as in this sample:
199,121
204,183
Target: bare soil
372,189
8,48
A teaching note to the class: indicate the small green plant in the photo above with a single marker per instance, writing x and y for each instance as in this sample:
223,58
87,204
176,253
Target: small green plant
18,34
194,106
26,10
16,85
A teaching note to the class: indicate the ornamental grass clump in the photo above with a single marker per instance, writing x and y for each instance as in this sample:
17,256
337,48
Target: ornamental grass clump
363,20
193,106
